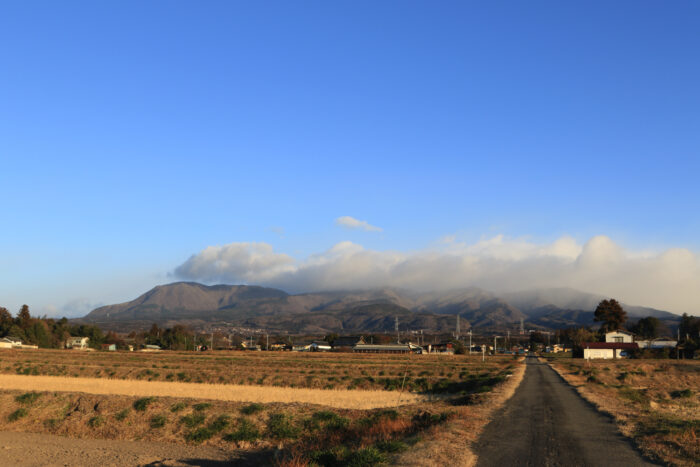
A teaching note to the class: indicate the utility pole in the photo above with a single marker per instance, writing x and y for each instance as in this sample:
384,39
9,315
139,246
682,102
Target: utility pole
212,341
470,342
396,325
457,335
494,344
267,345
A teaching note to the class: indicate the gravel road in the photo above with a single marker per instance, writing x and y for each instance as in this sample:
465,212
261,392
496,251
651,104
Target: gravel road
546,423
33,449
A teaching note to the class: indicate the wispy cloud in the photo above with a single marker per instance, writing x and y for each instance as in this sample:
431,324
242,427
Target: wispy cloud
668,279
356,224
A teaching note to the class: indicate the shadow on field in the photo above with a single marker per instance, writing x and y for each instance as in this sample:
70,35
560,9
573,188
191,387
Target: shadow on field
244,460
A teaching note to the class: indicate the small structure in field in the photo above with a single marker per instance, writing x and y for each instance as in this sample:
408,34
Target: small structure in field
347,343
77,343
387,348
320,346
109,347
606,350
150,348
10,343
301,346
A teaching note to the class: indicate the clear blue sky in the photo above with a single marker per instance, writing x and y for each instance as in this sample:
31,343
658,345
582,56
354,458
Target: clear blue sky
135,134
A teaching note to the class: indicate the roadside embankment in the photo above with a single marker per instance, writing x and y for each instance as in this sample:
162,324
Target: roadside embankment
452,443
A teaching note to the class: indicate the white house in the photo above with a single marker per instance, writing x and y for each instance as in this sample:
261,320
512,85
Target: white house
80,343
607,350
10,343
619,336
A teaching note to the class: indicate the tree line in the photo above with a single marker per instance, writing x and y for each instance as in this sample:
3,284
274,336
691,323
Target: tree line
46,332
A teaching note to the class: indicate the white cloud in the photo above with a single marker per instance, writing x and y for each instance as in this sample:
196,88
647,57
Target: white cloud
236,262
667,280
356,224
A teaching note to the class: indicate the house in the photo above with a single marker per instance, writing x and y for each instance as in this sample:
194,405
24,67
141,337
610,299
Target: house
387,348
619,336
346,343
10,343
320,346
277,346
109,347
79,343
442,347
607,350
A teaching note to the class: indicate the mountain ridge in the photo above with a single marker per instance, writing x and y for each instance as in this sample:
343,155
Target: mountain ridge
358,310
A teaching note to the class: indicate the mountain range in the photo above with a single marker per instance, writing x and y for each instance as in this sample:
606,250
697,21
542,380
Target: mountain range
272,309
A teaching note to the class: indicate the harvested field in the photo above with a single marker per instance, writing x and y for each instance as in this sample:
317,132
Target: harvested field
411,373
288,420
655,402
339,398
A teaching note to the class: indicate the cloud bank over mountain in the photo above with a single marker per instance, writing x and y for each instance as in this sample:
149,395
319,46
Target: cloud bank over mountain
667,280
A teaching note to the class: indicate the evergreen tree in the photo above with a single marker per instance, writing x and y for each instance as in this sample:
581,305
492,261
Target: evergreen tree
610,314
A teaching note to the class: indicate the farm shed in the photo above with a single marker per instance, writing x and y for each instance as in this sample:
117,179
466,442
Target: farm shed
320,346
606,350
657,344
387,348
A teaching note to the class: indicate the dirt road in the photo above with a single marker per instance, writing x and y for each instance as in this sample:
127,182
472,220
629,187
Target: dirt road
546,423
33,449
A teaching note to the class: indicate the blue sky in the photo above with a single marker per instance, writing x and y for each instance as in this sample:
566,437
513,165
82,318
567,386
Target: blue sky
136,134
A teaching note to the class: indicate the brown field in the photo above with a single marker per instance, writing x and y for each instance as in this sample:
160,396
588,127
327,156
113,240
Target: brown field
446,401
655,402
412,373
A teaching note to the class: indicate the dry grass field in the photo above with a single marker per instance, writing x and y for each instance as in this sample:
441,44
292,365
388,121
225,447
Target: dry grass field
339,426
413,373
656,402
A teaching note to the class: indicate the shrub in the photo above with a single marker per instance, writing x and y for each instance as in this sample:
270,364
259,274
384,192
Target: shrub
194,419
158,421
95,421
201,406
366,457
682,393
50,423
245,431
177,407
280,426
199,435
142,404
28,398
250,409
121,415
220,423
391,446
330,419
17,414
